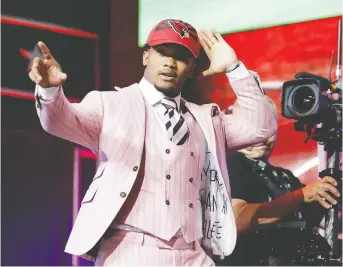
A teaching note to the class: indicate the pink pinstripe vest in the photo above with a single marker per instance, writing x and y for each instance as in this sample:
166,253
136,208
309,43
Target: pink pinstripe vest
165,197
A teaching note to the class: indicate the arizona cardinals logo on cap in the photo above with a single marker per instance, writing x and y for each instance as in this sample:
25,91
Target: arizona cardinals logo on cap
179,28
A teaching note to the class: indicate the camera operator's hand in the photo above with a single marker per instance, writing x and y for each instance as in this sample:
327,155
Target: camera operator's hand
46,72
322,191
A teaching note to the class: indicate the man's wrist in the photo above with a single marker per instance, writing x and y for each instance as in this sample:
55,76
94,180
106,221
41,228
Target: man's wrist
233,66
47,94
239,71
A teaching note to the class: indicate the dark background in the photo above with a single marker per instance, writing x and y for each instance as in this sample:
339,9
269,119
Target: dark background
37,168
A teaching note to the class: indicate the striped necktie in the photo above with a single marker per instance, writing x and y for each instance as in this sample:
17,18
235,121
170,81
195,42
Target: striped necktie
175,124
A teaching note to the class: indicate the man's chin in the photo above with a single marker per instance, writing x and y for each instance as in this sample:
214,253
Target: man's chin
169,90
166,85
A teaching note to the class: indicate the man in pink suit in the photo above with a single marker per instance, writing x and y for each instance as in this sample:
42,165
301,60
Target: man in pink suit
161,193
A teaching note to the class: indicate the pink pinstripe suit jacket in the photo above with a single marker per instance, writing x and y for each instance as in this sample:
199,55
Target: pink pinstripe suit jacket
112,124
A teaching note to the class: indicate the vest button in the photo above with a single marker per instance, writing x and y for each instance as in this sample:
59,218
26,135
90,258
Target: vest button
191,180
168,177
135,168
123,194
167,151
192,154
191,205
167,202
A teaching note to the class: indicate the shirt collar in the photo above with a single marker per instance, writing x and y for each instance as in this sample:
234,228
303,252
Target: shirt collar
153,96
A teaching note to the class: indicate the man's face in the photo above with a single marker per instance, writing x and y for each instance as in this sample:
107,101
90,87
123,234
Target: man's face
261,150
167,67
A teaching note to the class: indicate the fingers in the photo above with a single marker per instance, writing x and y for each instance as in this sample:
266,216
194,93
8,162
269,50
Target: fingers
329,180
45,50
33,77
208,37
327,197
211,35
322,202
218,36
329,188
204,43
325,191
329,183
35,73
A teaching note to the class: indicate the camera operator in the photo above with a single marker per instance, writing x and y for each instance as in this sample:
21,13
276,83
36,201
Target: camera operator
262,195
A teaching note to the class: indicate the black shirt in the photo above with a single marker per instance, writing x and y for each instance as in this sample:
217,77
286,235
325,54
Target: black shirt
258,182
247,179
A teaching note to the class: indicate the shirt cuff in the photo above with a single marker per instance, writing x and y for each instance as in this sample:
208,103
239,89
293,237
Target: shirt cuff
239,73
47,94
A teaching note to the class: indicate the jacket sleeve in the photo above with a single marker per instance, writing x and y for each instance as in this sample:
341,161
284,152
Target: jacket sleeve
252,119
77,122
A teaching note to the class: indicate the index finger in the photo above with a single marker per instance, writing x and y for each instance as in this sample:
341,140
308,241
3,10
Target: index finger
218,35
45,50
330,180
204,44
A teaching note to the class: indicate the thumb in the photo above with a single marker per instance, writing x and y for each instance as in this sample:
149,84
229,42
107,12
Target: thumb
208,72
63,76
204,74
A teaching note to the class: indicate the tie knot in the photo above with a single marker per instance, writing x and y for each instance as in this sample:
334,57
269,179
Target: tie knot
169,103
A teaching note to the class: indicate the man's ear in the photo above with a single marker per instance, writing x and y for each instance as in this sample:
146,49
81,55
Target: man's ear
191,71
145,58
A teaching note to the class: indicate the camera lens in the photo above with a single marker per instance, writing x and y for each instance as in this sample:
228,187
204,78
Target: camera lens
303,99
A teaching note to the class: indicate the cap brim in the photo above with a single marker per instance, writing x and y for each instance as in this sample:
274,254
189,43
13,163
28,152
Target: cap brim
158,42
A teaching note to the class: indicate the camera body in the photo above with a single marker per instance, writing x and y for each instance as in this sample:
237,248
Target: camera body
303,99
312,100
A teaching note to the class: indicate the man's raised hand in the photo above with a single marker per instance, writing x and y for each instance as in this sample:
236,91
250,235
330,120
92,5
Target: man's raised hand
221,55
46,72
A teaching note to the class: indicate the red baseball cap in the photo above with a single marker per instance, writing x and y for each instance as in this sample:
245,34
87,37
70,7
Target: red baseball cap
177,32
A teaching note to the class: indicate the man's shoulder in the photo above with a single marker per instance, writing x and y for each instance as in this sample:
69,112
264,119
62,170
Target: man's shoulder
120,91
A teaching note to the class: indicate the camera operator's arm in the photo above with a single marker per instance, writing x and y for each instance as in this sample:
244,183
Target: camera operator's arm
312,212
248,215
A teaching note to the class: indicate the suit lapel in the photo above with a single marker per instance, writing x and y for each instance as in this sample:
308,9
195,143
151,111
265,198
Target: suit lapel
205,122
137,108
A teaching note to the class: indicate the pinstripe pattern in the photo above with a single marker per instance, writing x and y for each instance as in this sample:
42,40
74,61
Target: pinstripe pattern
133,249
251,120
113,125
166,177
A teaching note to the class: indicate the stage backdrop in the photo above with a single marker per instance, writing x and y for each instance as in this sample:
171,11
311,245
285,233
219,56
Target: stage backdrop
37,169
274,40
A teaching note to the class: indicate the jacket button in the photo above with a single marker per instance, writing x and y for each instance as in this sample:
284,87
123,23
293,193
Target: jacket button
168,177
167,151
192,154
123,194
191,180
191,205
135,168
167,202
